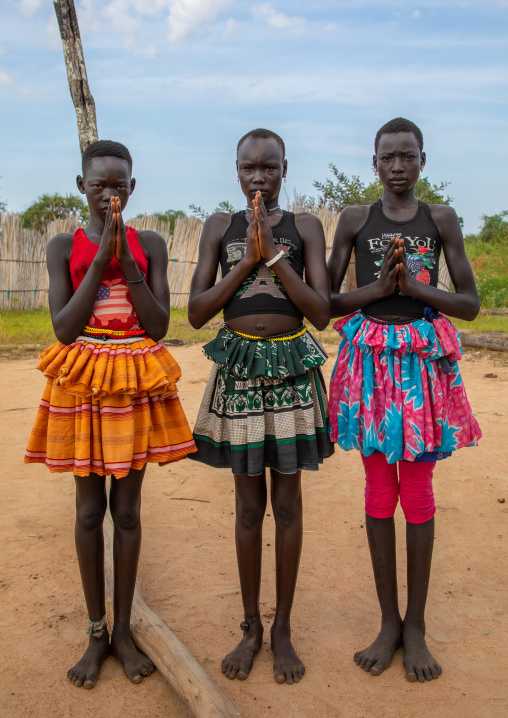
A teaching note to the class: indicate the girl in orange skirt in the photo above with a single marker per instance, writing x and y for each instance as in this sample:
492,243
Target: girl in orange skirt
110,404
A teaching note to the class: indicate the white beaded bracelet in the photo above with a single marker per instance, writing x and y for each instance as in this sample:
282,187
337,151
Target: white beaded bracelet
275,259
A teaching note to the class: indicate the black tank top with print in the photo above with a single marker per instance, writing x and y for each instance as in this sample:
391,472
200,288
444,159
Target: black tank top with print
423,246
261,292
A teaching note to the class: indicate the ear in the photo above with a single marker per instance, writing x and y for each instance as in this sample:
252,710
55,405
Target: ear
374,161
133,185
81,184
284,168
423,159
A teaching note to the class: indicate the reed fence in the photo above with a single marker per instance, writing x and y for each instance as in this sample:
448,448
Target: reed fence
24,278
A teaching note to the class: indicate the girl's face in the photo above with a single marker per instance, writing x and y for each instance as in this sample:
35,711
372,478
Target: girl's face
261,166
106,177
398,161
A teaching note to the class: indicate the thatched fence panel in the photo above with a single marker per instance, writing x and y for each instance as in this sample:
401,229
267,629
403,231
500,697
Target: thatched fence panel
24,277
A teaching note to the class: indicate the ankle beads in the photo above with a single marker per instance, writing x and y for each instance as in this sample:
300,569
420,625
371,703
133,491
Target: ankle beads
96,628
249,620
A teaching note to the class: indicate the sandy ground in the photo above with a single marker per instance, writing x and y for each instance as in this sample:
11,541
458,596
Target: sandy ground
188,576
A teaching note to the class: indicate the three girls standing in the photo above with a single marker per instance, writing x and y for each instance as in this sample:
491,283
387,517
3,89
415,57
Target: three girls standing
396,393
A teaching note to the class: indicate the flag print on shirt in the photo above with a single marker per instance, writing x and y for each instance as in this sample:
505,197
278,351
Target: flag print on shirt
113,303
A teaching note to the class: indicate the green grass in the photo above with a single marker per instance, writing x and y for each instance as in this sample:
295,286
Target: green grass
489,261
33,326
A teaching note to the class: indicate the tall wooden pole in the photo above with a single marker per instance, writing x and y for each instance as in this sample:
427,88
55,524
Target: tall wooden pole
76,72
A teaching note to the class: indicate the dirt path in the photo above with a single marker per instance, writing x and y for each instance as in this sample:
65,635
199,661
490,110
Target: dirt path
188,576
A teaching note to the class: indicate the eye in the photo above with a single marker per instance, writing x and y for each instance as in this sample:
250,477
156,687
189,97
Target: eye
97,186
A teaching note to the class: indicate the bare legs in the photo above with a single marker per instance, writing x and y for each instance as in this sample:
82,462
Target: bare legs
251,497
125,505
378,656
418,662
125,501
90,510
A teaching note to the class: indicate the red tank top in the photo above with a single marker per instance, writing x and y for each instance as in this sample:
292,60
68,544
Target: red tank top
113,309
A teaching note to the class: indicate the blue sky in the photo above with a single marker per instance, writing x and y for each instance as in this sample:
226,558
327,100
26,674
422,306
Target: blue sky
180,81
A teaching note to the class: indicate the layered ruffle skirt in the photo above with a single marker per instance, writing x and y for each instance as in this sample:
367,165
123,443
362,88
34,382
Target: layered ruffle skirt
265,404
397,389
108,408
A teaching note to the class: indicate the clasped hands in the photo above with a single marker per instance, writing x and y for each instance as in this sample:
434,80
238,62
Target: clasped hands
114,237
260,244
394,269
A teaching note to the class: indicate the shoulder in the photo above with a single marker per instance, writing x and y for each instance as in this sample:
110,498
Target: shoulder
442,211
308,225
216,226
60,246
352,219
150,238
64,239
444,217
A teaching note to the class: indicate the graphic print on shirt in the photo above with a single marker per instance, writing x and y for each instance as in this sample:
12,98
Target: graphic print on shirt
260,280
112,303
417,251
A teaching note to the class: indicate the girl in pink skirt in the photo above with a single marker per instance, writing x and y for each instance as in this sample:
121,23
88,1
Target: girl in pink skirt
396,393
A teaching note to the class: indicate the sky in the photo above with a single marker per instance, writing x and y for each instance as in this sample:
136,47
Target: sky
180,81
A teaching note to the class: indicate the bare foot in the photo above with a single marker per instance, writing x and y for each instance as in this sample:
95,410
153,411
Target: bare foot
136,665
86,671
238,663
419,664
287,667
378,656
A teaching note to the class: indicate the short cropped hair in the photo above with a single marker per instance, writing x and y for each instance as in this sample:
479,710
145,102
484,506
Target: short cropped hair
263,135
399,124
105,148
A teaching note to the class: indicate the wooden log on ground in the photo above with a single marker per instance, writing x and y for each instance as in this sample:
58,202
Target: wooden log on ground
159,643
493,341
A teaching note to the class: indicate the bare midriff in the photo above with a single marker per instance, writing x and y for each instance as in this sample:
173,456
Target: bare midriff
264,325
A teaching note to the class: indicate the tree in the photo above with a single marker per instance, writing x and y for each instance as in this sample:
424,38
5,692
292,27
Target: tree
76,72
169,216
342,191
495,228
48,207
202,214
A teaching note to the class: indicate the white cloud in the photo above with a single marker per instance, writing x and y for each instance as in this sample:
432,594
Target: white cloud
330,27
415,13
230,27
186,15
29,7
278,20
5,79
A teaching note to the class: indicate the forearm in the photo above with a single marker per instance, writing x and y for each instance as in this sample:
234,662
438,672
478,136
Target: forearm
307,300
69,322
152,315
206,304
348,302
463,305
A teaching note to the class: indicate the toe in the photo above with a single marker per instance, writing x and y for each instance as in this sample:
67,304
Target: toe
411,675
427,674
296,677
280,677
438,669
90,682
289,678
419,675
135,677
357,657
376,669
368,664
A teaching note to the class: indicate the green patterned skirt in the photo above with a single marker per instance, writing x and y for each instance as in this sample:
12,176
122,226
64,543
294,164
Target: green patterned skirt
265,404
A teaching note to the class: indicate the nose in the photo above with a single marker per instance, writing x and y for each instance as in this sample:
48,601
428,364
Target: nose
258,177
397,165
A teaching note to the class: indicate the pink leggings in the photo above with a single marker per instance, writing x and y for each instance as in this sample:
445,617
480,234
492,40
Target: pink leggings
414,485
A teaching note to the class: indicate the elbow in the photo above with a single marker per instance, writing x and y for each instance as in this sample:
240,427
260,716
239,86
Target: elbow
322,319
195,319
63,336
473,310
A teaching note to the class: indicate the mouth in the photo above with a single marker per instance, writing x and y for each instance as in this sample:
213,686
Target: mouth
398,180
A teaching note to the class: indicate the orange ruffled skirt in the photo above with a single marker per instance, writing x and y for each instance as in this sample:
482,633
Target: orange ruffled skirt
108,408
